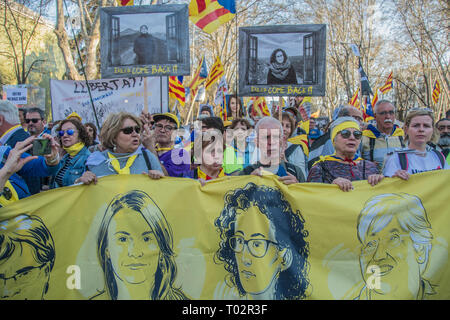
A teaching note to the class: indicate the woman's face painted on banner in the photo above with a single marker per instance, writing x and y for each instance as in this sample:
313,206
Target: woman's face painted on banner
132,247
389,254
259,260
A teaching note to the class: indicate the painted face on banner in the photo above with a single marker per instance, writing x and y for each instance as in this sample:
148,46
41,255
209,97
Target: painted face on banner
257,254
392,253
21,277
132,247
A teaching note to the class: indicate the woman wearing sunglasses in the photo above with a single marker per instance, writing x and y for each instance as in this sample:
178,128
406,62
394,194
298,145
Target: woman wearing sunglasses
120,136
344,166
418,156
74,140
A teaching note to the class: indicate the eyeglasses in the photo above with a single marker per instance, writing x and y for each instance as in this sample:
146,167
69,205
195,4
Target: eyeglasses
257,247
70,132
130,130
166,128
347,133
32,120
383,113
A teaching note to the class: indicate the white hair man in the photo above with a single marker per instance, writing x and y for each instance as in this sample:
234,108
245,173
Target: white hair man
270,153
383,138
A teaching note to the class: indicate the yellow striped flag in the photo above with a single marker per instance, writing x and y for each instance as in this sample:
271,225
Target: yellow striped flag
388,85
200,75
354,100
209,15
436,91
176,90
123,3
260,107
216,72
375,98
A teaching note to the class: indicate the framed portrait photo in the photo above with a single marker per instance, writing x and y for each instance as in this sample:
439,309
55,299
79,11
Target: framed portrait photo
144,41
285,60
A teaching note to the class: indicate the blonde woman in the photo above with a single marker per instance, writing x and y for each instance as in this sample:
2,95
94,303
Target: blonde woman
418,156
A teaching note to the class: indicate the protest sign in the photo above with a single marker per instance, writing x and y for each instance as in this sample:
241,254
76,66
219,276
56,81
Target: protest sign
109,96
242,237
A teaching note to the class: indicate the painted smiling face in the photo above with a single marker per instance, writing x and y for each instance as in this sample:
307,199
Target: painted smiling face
392,253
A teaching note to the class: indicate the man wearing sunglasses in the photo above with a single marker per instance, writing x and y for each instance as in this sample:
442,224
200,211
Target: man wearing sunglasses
383,138
35,122
161,141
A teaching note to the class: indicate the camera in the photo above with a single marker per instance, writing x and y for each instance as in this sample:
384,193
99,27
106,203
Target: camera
41,147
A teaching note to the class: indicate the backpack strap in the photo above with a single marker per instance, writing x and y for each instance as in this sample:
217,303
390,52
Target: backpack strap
290,150
403,161
147,160
372,147
292,169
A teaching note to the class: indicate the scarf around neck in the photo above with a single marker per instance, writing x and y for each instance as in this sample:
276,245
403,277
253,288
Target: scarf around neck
280,70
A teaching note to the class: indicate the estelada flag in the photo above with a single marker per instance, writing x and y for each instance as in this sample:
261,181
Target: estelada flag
354,100
436,91
375,98
216,72
209,15
176,90
388,85
123,3
200,75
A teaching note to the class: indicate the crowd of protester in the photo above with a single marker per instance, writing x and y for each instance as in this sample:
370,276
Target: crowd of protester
157,145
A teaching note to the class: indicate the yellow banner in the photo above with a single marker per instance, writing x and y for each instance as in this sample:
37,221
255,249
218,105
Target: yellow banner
130,237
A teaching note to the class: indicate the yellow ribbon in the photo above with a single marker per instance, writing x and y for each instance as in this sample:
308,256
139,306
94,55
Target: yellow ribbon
116,165
74,149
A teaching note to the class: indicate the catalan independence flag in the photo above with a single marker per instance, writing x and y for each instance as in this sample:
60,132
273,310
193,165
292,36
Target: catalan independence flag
375,98
176,90
354,100
260,107
200,75
436,91
208,15
123,3
388,85
216,72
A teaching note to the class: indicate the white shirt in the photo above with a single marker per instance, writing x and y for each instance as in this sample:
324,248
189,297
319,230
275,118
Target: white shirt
416,163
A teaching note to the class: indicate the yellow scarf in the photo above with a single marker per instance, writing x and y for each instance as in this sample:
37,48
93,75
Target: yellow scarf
3,201
158,149
116,165
74,149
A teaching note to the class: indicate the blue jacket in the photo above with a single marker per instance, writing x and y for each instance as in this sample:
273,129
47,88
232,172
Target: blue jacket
75,170
34,168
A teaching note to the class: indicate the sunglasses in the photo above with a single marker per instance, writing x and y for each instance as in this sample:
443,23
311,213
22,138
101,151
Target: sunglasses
347,133
32,120
70,132
130,130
